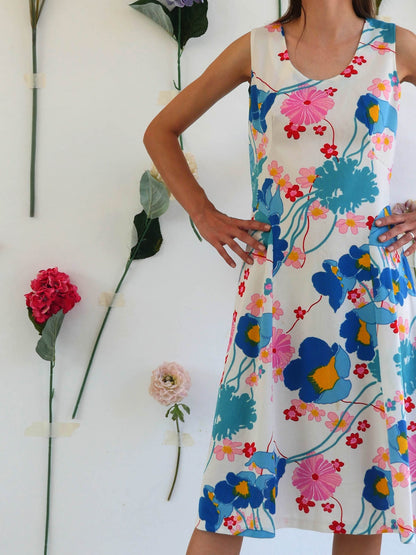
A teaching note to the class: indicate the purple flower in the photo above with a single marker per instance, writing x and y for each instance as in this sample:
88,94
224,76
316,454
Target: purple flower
180,3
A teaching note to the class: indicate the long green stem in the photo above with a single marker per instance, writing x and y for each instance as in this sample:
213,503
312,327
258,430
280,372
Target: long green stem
48,494
178,458
280,9
34,125
107,314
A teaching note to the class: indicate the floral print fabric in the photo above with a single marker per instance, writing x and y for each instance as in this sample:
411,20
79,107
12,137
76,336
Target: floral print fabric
315,425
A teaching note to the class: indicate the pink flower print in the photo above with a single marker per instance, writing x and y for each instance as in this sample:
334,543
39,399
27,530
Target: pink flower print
400,477
330,91
282,350
301,406
293,193
261,148
232,330
275,171
384,529
354,440
319,129
230,522
363,426
317,211
306,106
327,507
349,71
241,288
315,413
397,91
260,257
295,258
352,222
411,445
272,27
316,478
337,464
252,522
294,130
254,468
380,87
229,448
408,404
300,313
404,529
283,56
277,374
284,182
382,141
371,154
265,355
307,177
292,414
246,273
254,132
399,397
329,150
361,370
249,449
337,425
304,504
276,310
379,407
252,379
403,327
359,60
381,47
256,307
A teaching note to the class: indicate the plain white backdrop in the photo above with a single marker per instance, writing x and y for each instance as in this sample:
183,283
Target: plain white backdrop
105,64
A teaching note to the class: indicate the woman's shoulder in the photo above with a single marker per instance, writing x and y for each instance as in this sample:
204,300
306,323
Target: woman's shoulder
406,54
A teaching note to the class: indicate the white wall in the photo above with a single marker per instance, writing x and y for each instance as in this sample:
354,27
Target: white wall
105,64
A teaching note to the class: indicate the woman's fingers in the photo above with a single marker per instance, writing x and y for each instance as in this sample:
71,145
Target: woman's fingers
403,225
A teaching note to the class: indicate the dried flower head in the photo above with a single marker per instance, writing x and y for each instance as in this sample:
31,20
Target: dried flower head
169,383
402,208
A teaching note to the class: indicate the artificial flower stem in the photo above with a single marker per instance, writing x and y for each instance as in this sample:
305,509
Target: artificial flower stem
280,9
130,260
34,124
177,459
48,494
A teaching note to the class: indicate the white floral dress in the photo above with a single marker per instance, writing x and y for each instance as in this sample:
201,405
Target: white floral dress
315,425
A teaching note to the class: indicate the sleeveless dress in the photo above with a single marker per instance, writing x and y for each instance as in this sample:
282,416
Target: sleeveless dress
315,424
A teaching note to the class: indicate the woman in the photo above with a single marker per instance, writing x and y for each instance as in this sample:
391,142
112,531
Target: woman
316,408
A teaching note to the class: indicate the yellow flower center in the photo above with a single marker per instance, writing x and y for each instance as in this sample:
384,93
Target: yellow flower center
242,489
382,486
254,334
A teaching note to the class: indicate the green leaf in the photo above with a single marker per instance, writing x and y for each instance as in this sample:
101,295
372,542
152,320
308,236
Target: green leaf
151,242
194,22
46,344
186,408
378,2
39,327
156,12
154,196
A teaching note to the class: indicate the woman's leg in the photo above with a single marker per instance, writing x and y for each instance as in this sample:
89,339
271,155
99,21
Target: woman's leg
347,544
210,543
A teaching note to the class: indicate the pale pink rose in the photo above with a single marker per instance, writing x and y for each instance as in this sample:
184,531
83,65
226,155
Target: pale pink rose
334,422
275,170
317,211
307,177
281,348
252,379
169,383
382,459
400,477
352,222
256,307
295,258
316,478
411,443
276,310
229,448
380,87
306,106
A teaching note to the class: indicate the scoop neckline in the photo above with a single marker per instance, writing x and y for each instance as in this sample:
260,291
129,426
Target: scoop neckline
338,75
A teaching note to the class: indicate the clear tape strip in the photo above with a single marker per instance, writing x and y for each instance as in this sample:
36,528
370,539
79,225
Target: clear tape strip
171,438
35,80
57,429
109,299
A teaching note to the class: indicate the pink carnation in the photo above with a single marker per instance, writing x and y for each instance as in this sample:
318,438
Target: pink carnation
169,383
306,106
51,292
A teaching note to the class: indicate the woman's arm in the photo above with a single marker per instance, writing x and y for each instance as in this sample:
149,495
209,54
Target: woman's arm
406,68
229,70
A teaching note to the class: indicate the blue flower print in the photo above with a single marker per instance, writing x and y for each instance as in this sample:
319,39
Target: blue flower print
394,78
387,30
269,491
333,283
358,264
320,373
378,488
361,337
376,114
374,367
375,231
268,286
211,510
267,461
254,333
395,285
342,187
239,490
256,168
260,104
405,360
398,446
233,413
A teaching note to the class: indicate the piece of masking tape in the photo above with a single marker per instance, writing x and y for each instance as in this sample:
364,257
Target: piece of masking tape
35,80
171,438
109,299
166,96
57,429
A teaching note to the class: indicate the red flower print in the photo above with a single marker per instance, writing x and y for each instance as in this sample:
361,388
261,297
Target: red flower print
246,273
283,56
348,71
361,370
337,527
412,426
293,193
241,288
329,150
359,60
304,503
327,507
330,91
363,426
292,414
294,130
353,295
395,326
300,312
369,221
230,522
249,449
337,464
408,404
319,129
354,440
